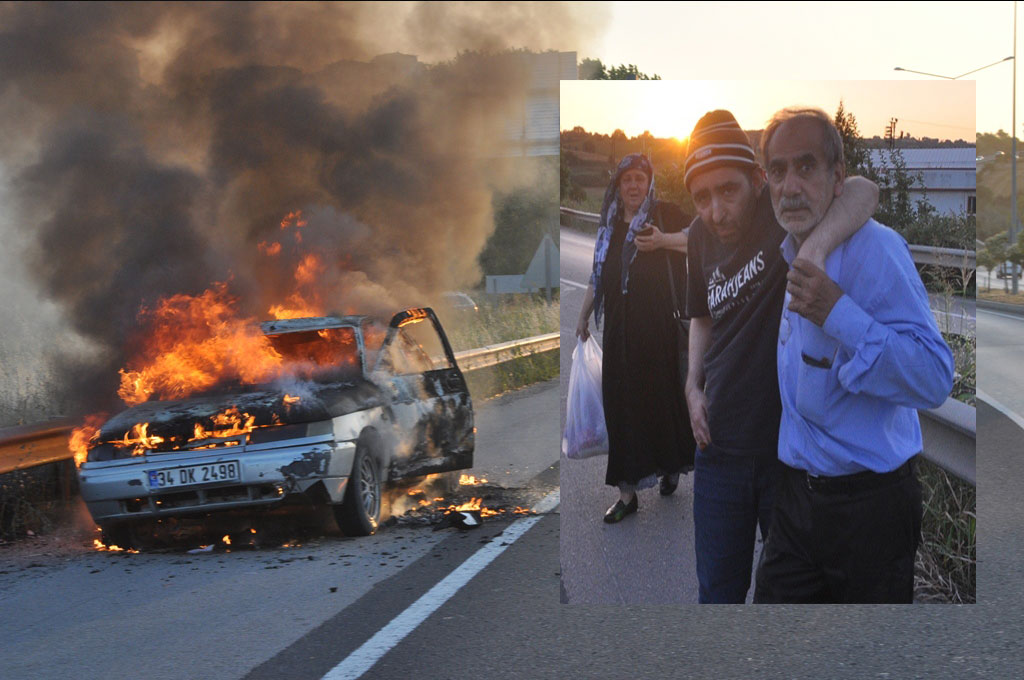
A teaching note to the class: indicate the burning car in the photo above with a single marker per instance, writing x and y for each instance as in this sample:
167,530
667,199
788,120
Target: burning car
364,405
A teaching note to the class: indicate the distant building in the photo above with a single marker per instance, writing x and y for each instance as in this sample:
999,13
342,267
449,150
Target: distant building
945,178
533,130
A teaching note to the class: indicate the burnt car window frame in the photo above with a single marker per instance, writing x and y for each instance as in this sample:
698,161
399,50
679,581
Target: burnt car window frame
412,315
357,332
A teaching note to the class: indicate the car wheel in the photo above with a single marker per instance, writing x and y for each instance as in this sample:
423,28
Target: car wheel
449,482
359,513
120,535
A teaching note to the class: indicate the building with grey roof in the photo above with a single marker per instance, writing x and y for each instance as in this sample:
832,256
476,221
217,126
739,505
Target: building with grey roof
945,178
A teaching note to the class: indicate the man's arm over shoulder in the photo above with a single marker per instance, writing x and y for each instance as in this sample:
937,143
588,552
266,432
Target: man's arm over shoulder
885,322
847,213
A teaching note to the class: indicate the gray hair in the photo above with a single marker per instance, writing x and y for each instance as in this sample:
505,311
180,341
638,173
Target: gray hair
833,143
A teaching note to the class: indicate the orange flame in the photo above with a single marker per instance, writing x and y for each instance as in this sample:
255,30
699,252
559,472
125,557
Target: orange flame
472,504
293,219
229,423
269,249
194,343
82,438
139,439
99,545
471,480
308,269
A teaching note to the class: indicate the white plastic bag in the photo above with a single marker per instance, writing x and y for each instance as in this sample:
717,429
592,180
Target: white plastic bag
585,431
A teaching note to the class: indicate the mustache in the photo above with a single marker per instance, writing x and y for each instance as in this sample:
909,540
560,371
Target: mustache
793,204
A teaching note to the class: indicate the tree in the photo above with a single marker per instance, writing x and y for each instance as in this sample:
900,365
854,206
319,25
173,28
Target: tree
987,260
1015,255
894,183
618,137
998,248
521,218
854,152
593,69
569,191
669,186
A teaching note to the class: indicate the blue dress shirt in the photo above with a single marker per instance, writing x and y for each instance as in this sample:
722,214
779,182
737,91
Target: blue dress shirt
851,389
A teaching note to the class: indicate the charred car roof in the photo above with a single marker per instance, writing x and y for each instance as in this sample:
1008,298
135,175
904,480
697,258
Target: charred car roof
313,323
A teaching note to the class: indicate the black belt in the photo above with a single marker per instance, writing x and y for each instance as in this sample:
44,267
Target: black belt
859,481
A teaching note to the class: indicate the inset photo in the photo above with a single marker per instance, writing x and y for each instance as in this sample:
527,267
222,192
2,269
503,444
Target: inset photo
768,341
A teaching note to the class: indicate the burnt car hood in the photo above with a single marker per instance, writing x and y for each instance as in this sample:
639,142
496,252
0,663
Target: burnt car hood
177,418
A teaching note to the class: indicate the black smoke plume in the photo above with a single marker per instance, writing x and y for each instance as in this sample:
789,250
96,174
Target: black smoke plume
153,147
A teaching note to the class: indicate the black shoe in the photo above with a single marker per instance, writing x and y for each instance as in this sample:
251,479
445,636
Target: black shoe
618,512
666,486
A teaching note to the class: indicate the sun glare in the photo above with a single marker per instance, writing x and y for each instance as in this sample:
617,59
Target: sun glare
671,108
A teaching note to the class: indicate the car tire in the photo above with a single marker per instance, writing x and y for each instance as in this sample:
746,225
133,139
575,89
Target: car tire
449,482
359,513
120,535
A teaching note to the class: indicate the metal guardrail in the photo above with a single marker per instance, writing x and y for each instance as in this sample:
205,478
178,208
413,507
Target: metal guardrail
950,436
948,431
933,255
27,446
483,357
944,257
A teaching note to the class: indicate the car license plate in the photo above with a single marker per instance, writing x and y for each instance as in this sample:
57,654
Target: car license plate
187,475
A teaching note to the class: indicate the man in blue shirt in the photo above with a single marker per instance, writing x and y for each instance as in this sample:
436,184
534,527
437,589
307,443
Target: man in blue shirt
736,282
858,353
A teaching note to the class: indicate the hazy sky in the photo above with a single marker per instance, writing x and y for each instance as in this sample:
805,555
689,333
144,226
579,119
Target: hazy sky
670,108
822,41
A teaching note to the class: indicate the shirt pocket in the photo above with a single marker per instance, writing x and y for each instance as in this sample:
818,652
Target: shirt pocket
817,376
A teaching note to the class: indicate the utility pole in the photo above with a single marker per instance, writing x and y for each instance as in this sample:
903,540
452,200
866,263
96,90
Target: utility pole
890,133
1013,157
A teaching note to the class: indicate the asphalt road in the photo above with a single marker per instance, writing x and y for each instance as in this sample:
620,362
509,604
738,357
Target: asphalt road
507,623
272,613
1001,357
72,612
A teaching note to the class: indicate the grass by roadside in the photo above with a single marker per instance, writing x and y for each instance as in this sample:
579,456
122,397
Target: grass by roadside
947,557
33,501
502,320
998,295
965,365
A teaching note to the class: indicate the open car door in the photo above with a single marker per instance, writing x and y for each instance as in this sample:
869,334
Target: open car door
430,400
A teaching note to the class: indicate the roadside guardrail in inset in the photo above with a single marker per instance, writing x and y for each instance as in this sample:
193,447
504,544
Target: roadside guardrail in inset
933,255
950,435
948,431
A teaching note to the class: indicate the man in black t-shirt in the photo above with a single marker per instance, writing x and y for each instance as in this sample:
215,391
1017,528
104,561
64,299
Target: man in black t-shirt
736,285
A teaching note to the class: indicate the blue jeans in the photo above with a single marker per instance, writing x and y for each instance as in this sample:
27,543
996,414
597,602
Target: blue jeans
732,495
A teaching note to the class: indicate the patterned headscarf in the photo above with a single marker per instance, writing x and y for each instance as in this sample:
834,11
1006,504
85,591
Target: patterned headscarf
611,211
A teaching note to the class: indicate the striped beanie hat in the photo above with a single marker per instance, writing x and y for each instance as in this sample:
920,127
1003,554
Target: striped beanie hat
717,140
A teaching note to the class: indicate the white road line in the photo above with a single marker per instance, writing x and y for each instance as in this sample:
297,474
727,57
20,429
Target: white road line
1005,410
573,284
1005,316
370,652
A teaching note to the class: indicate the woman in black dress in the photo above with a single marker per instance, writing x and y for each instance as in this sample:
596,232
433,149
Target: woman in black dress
640,241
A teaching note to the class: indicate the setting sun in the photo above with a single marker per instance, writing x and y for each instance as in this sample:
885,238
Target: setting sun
670,108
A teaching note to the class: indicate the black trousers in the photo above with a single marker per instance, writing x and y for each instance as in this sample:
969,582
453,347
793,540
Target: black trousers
842,539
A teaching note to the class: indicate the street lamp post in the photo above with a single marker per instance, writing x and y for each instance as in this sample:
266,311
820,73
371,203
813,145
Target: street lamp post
1013,135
